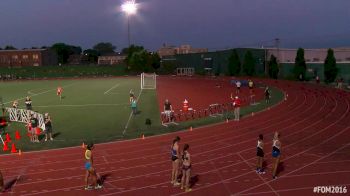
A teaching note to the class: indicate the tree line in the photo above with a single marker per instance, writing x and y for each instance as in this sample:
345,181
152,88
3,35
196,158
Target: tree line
235,67
138,59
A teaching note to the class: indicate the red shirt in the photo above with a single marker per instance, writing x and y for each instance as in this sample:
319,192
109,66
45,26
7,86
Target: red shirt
237,103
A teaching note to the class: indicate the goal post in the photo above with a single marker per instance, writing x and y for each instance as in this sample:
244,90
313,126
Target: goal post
148,81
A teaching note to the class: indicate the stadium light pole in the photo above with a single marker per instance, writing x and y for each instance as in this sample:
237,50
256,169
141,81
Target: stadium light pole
130,8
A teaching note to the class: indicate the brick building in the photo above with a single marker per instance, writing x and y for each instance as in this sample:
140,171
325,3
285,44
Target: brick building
29,57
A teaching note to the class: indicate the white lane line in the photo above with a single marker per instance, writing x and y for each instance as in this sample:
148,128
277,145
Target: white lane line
127,123
115,86
36,94
81,105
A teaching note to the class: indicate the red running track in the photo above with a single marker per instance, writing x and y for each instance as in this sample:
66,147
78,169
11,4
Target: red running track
315,135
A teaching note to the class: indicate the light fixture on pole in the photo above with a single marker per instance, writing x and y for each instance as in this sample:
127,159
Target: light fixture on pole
130,8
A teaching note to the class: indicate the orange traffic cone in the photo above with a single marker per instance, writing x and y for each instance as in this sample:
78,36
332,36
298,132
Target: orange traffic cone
6,148
17,136
191,128
83,145
13,149
8,138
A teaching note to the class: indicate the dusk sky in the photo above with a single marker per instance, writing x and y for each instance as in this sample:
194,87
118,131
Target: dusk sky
214,24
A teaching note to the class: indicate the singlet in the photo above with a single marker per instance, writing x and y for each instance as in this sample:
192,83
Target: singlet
133,103
184,157
88,155
173,152
47,121
260,144
267,93
250,84
274,145
167,106
34,122
28,102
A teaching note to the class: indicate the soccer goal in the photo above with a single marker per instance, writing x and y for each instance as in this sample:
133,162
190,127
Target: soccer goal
148,81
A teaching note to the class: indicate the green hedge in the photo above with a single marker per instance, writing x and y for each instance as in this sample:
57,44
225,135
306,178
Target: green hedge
65,71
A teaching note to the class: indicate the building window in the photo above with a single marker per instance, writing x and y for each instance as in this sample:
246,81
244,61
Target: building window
348,59
35,56
15,57
25,56
315,59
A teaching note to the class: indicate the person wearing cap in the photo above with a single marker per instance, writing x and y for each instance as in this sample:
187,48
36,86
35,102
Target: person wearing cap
48,126
236,105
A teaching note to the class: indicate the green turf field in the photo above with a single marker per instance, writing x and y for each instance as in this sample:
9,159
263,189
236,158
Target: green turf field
97,110
91,109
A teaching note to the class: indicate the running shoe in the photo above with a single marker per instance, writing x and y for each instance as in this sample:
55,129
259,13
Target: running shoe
176,183
98,186
188,190
88,188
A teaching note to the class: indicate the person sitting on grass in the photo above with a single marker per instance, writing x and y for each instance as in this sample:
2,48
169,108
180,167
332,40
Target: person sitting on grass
90,170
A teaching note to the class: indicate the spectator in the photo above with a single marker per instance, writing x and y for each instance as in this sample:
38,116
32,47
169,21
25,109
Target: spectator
236,105
48,126
238,86
34,126
251,86
15,104
168,109
267,95
317,79
28,103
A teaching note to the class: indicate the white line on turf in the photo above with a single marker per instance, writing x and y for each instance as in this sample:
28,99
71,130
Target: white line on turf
115,86
40,93
81,105
127,123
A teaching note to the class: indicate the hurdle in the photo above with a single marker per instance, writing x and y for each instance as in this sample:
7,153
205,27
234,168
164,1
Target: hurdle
215,110
168,119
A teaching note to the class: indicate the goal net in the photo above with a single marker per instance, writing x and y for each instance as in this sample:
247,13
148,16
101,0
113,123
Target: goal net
148,81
